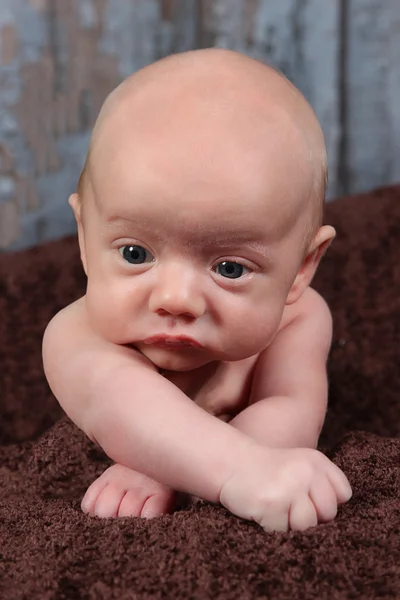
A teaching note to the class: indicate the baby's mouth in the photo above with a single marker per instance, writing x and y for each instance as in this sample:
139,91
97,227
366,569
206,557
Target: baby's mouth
171,342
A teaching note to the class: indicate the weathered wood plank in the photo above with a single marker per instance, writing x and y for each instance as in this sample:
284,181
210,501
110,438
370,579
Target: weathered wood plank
372,94
394,91
59,60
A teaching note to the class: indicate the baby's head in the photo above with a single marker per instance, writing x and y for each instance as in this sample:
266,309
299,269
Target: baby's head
199,208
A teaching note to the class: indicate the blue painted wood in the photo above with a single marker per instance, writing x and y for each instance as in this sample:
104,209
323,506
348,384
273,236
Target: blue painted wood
59,60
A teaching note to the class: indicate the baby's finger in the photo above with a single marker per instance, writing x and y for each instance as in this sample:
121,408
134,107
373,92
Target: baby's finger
302,514
323,496
340,483
92,493
131,504
107,502
275,519
158,504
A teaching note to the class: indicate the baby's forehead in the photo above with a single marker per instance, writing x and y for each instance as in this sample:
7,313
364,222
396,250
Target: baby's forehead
211,188
203,216
199,139
234,133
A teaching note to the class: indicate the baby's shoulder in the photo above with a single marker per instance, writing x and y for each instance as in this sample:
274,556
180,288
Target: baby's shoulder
71,321
70,334
311,306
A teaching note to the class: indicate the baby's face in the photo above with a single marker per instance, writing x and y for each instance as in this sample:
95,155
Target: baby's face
193,238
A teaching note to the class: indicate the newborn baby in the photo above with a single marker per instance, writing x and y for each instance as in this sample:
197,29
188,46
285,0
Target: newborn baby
197,357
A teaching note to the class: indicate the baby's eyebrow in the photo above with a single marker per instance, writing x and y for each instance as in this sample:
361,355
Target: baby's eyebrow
118,220
236,242
203,237
230,239
199,238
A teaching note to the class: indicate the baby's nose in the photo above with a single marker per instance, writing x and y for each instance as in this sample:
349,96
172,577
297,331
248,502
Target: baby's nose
177,293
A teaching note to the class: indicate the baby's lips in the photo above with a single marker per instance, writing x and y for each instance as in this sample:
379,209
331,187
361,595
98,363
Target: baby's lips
168,341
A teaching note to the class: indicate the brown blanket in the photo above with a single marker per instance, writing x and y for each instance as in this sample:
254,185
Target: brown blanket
50,550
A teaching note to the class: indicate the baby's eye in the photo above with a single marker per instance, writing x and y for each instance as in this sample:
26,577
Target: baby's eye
135,255
231,270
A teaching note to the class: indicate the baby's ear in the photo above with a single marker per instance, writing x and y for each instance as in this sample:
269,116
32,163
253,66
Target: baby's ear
321,242
76,206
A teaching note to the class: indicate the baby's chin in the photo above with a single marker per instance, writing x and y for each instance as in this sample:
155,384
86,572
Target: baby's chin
174,359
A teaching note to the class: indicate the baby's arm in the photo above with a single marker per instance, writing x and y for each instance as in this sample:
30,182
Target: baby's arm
143,421
289,394
140,419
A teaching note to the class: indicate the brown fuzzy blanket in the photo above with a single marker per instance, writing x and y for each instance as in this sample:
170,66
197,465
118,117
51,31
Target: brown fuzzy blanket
50,550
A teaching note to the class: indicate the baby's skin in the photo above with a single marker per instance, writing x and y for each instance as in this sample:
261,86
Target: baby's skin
197,357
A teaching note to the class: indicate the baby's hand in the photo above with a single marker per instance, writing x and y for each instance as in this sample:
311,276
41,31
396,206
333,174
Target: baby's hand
286,489
123,492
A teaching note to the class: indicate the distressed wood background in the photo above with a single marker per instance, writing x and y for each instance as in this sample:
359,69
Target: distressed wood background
60,58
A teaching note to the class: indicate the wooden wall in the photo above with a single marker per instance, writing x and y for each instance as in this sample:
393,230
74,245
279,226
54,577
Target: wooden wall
60,58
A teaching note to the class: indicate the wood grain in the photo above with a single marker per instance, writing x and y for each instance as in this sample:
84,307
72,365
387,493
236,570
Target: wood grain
59,59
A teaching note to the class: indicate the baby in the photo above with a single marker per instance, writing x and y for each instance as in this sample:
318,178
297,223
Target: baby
197,357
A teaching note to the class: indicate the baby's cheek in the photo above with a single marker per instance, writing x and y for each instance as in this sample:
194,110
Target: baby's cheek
260,330
106,311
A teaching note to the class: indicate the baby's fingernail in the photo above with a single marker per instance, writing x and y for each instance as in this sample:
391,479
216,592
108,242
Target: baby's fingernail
148,514
347,494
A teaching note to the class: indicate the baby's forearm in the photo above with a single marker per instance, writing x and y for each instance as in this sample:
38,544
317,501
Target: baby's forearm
150,426
281,422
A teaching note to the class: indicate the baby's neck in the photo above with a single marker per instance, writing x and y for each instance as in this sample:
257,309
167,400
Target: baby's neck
189,382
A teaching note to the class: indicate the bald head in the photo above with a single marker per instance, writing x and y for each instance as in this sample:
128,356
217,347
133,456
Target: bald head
225,101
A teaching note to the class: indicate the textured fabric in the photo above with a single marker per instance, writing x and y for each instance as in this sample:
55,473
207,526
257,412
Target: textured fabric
50,550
